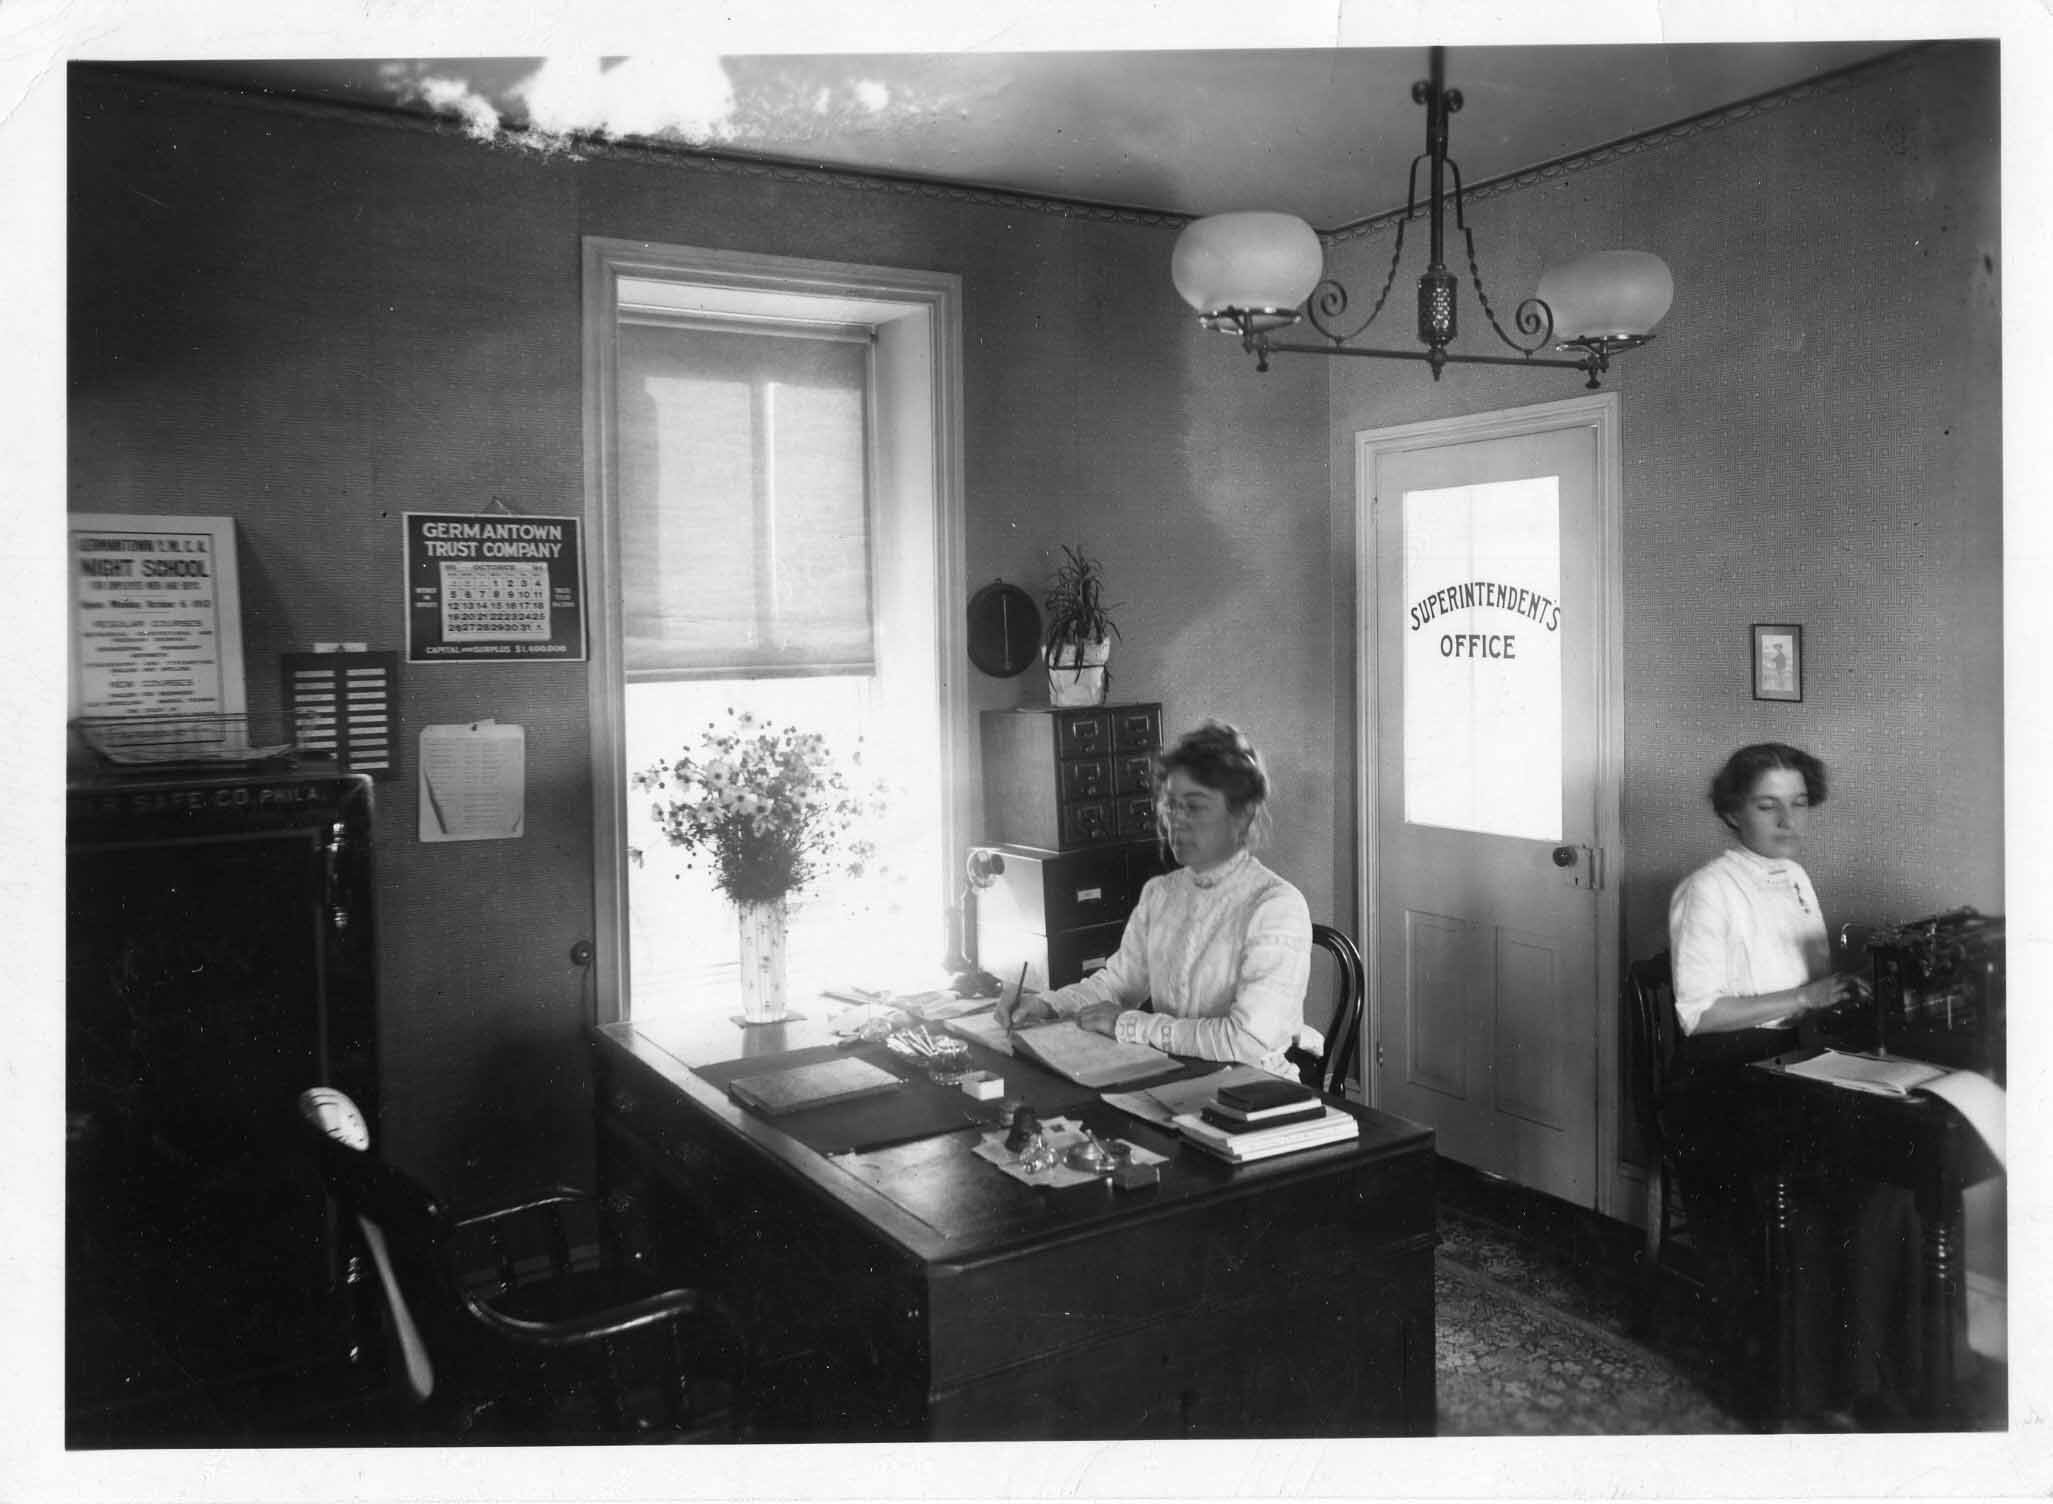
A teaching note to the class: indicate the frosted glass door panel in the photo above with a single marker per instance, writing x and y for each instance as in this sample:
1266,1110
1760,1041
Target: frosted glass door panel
1482,658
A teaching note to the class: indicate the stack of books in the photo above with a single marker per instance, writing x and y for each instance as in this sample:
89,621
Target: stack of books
1258,1119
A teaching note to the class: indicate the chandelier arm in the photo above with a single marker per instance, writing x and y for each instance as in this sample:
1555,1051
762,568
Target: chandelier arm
1531,318
1329,299
1591,366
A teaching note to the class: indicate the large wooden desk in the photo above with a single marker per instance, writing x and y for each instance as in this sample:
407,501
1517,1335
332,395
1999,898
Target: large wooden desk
917,1292
1809,1127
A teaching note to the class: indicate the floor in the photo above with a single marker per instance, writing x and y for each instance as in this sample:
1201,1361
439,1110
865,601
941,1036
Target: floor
1534,1306
1537,1334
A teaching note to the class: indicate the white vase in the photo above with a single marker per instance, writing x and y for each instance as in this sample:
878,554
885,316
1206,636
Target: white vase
761,927
1076,673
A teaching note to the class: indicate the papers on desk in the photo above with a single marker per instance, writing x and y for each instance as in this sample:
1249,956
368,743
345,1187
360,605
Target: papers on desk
982,1028
938,1007
1160,1104
1969,1093
931,1006
1888,1078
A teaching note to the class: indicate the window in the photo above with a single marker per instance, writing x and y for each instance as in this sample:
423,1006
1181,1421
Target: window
773,487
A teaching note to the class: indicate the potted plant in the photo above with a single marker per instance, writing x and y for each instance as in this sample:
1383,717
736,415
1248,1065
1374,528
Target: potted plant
1078,631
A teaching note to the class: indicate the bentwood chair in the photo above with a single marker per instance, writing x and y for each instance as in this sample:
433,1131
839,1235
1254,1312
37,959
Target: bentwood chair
1328,1071
1700,1227
529,1321
1652,990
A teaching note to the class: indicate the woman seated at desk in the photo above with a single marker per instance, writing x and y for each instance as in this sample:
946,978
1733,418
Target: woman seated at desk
1221,947
1750,955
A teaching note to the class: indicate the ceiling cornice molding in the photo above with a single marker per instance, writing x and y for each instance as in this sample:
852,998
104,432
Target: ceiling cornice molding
1855,76
579,148
777,169
857,180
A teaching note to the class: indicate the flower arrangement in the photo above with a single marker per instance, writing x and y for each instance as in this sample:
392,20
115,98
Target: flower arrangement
767,804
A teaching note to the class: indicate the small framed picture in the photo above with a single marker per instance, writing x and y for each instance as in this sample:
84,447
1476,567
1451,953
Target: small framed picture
1778,661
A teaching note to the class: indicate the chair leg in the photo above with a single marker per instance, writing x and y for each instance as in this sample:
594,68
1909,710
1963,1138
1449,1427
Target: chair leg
1658,1209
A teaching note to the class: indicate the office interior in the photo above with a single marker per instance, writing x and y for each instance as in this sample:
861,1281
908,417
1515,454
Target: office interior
312,318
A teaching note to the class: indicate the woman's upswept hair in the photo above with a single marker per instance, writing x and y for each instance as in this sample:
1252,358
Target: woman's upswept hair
1743,769
1222,758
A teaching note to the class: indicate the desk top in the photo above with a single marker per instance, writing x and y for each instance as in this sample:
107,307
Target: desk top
1902,1139
932,1195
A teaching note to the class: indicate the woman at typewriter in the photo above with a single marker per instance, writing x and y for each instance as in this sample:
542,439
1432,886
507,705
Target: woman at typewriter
1751,956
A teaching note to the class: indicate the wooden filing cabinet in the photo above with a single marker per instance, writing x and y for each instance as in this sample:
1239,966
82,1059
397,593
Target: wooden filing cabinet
1058,914
1064,779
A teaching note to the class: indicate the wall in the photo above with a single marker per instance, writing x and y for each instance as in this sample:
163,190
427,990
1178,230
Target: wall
1813,437
312,320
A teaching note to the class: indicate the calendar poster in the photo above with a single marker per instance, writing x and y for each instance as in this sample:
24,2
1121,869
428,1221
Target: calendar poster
491,586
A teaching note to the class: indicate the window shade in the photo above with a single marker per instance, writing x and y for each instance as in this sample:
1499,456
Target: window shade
744,502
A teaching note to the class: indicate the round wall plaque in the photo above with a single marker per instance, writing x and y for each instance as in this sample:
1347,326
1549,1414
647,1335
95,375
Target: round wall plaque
1004,630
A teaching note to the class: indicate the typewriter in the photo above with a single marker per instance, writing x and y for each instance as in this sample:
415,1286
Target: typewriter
1939,991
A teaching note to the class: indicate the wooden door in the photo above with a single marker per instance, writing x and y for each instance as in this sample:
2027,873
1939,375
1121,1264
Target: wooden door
1488,637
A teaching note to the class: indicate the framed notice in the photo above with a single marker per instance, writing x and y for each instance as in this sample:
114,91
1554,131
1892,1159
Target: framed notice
484,587
1778,661
156,616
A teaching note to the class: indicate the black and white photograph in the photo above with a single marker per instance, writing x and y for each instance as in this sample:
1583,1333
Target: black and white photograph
1049,789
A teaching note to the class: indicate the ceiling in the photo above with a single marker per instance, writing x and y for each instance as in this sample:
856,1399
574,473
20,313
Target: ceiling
1326,134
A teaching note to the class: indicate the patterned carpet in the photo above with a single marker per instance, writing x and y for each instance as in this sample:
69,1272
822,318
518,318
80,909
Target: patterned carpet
1533,1300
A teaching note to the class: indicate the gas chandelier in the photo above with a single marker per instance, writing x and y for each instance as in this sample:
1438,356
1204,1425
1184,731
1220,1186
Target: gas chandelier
1254,273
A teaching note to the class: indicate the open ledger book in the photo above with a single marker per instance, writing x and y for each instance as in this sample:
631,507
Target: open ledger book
1089,1059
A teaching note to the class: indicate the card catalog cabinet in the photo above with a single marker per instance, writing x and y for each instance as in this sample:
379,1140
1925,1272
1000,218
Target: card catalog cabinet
1065,779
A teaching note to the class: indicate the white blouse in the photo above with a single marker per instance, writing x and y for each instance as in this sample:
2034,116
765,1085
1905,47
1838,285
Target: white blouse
1224,957
1742,925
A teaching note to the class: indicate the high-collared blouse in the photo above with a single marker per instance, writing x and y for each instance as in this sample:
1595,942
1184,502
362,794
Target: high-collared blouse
1742,925
1224,956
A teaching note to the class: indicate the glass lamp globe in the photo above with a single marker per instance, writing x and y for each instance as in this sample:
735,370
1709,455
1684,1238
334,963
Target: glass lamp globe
1613,295
1249,270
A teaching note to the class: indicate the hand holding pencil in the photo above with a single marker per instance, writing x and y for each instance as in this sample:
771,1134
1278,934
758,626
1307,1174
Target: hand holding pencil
1021,1009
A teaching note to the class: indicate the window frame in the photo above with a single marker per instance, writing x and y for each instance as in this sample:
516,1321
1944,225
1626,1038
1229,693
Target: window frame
917,318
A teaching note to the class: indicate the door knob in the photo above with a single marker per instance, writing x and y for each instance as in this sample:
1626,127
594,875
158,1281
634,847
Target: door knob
1564,856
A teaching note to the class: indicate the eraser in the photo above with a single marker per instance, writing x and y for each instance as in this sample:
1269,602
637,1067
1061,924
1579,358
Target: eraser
1131,1176
984,1086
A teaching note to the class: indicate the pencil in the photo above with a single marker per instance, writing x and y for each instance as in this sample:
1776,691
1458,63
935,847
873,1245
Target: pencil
1018,992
